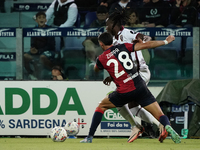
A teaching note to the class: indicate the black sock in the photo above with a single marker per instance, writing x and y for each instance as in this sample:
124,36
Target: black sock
164,120
95,121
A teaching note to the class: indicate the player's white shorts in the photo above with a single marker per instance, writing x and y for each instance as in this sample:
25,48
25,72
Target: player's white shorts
145,74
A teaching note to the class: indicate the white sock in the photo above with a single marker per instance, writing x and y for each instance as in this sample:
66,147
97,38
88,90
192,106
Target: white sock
126,113
144,115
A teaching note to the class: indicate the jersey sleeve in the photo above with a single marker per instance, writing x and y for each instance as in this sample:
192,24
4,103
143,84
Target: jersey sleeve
130,47
99,64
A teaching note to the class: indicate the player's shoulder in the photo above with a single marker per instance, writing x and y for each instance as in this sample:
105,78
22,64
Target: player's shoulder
103,54
129,32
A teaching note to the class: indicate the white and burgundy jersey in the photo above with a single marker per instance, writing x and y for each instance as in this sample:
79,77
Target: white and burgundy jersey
127,36
118,62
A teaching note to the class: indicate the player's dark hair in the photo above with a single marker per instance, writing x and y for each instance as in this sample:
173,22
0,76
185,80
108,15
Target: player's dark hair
106,38
40,13
119,18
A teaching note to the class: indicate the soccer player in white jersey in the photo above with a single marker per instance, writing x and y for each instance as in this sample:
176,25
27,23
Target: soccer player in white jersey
122,35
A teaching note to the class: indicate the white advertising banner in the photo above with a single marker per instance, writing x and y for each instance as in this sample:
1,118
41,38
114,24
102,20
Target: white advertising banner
35,107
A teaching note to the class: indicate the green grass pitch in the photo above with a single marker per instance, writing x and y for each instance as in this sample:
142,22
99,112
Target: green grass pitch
98,144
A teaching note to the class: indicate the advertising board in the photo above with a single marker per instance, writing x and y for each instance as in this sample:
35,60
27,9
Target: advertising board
35,107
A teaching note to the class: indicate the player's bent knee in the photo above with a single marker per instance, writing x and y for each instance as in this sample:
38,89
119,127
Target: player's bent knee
106,104
99,109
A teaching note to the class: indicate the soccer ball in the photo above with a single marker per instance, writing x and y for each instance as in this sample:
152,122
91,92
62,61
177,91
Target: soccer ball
72,128
58,134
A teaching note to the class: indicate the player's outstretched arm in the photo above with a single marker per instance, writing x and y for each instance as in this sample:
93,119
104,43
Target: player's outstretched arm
144,38
152,44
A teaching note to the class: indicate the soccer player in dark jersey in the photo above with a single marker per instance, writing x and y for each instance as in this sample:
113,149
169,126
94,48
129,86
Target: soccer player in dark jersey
123,35
130,86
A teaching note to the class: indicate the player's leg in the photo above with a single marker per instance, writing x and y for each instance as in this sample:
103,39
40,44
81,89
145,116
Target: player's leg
156,111
121,100
140,112
136,128
125,112
135,109
110,101
128,115
98,114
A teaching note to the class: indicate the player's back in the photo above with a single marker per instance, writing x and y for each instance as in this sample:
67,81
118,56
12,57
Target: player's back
117,61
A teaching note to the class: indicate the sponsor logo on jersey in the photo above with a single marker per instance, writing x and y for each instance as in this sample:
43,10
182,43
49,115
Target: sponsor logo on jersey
130,77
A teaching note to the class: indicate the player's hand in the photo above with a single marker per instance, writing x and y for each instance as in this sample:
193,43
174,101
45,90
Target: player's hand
33,50
170,38
107,81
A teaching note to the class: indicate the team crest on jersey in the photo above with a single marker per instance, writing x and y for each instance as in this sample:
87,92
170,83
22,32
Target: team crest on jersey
121,38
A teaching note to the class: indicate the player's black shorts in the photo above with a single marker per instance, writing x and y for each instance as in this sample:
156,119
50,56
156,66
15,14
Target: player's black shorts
141,95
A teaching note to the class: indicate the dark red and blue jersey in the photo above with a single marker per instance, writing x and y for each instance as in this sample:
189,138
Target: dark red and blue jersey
117,61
